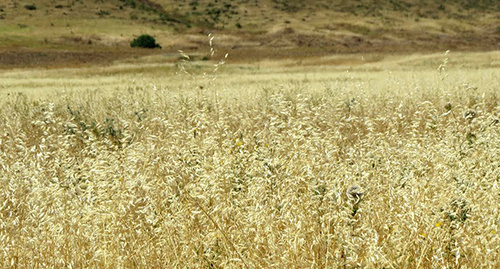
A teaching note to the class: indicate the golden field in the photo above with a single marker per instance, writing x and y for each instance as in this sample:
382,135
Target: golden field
379,162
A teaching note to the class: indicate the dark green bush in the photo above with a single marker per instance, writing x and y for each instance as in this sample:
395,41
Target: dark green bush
145,41
129,3
30,7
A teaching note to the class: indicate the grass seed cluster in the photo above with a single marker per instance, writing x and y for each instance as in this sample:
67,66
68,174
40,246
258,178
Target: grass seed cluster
310,173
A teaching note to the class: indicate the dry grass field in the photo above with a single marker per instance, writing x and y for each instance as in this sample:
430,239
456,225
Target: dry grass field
390,164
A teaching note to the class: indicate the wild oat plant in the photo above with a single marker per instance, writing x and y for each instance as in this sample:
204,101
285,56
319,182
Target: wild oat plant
336,174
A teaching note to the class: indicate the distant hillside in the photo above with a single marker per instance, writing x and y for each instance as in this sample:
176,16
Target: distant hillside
249,28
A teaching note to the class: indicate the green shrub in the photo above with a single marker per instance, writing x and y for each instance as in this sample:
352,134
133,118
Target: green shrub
30,7
145,41
129,3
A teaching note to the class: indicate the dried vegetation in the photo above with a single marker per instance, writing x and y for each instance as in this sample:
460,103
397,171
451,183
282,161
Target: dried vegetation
327,173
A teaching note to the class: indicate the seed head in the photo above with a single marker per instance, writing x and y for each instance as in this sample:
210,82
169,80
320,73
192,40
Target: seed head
470,114
354,192
448,107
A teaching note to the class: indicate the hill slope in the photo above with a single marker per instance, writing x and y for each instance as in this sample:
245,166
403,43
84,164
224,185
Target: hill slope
249,28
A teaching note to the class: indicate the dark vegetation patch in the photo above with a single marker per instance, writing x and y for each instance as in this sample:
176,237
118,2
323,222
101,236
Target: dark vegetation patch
30,7
145,41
